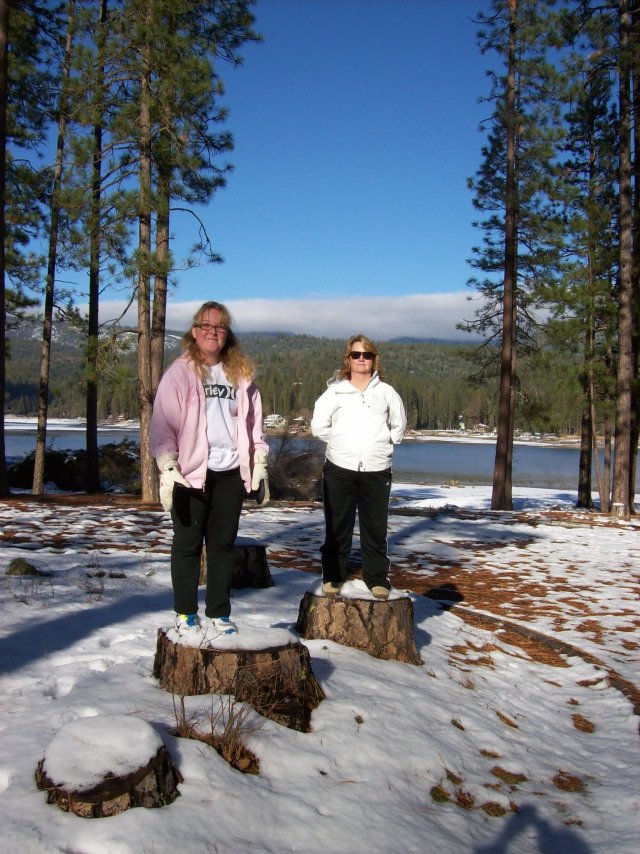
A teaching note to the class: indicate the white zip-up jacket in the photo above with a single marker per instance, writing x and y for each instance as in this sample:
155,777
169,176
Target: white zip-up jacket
359,427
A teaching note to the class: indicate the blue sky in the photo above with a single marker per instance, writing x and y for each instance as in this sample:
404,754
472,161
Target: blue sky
356,129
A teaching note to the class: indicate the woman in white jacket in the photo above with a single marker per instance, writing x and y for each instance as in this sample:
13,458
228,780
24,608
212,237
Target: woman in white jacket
361,418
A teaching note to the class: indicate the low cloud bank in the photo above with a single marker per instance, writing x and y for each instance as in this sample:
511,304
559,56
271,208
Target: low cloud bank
381,318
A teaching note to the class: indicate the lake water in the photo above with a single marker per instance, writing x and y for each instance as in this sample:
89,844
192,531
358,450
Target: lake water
414,461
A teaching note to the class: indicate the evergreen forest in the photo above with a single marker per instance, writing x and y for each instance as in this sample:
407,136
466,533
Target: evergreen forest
437,380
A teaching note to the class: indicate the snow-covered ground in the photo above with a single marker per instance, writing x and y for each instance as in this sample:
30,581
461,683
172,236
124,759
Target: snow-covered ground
483,748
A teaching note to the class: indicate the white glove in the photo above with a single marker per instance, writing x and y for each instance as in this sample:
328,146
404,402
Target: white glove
260,478
169,475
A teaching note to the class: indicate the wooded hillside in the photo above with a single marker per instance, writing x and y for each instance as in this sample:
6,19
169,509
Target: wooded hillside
438,381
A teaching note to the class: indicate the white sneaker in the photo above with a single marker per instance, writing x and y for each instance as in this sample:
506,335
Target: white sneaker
215,627
187,625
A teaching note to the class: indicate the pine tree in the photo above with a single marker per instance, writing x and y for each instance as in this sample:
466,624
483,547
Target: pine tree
26,91
52,254
582,297
173,86
520,224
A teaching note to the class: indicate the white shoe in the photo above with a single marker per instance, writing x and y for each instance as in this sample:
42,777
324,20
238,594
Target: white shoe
187,625
217,627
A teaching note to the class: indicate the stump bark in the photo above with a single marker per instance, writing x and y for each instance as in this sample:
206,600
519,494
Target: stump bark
250,566
277,681
384,629
105,793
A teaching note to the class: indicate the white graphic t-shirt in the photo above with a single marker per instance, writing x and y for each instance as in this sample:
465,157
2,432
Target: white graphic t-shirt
222,420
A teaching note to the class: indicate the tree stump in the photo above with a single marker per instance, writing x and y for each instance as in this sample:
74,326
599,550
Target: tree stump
383,628
277,681
101,766
250,567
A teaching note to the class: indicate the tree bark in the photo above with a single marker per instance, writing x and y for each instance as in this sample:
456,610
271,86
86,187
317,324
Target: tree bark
622,452
277,681
93,457
384,629
501,495
250,566
148,476
4,49
152,784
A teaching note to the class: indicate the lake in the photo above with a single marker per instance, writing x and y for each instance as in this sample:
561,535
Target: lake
415,460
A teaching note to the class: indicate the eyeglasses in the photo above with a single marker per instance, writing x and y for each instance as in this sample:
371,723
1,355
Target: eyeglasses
210,327
357,354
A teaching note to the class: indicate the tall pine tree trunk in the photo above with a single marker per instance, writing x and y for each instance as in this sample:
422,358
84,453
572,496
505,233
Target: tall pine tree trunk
4,48
162,259
159,315
501,495
635,382
588,437
93,344
52,254
145,394
622,454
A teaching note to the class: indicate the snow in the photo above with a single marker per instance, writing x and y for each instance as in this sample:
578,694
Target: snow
83,753
481,722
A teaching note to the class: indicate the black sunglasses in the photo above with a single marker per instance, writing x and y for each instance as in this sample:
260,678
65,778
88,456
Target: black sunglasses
356,354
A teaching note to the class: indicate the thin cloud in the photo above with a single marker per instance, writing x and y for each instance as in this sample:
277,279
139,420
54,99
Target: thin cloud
381,318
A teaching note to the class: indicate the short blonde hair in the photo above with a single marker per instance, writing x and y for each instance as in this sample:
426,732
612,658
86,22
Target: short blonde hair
344,373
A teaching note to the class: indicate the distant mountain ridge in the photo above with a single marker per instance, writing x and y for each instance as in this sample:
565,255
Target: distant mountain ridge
67,334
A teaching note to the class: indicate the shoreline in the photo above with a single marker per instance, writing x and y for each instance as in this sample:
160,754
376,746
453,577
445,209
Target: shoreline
25,423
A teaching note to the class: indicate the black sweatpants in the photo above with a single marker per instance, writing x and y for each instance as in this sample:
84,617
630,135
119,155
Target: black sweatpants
211,515
345,492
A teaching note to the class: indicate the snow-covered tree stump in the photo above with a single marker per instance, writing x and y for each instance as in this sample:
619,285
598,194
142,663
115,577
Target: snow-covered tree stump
250,567
101,766
277,681
383,628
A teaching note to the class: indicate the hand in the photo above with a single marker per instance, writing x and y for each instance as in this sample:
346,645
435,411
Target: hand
170,474
260,477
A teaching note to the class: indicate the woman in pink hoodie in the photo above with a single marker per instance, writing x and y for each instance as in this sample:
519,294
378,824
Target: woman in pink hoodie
208,440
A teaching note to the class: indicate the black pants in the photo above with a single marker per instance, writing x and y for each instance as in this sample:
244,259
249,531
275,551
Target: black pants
211,515
344,493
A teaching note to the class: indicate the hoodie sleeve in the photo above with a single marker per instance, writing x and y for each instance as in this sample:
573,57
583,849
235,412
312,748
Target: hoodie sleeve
166,418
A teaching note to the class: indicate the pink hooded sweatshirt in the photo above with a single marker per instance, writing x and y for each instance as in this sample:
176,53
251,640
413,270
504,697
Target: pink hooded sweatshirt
179,423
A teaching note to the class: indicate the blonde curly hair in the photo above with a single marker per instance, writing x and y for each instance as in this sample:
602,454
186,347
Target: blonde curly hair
237,365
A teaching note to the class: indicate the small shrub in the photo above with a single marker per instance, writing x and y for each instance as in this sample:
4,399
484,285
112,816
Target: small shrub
119,469
295,474
20,566
227,731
